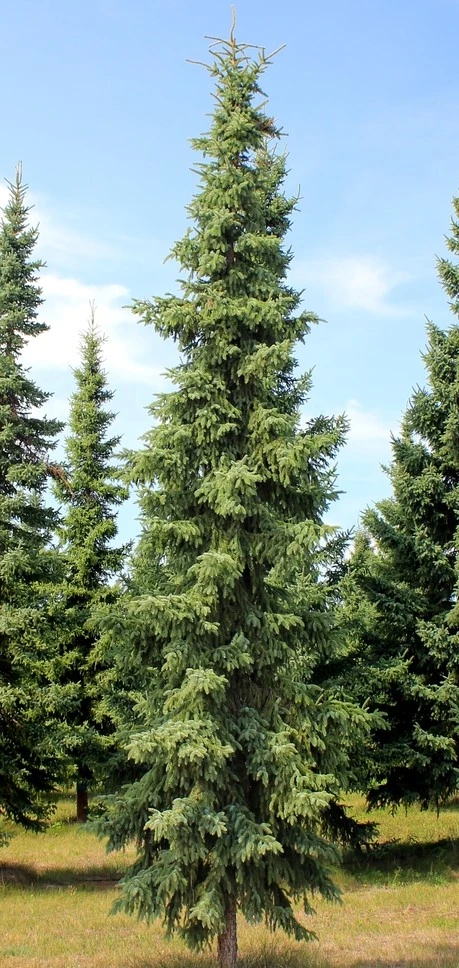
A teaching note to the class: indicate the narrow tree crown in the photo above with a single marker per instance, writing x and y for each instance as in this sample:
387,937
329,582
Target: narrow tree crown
20,295
25,437
91,490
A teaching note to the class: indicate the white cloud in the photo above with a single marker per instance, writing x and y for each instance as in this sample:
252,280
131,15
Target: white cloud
66,311
67,306
355,282
367,429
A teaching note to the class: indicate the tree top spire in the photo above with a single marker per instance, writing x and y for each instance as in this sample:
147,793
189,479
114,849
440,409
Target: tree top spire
220,48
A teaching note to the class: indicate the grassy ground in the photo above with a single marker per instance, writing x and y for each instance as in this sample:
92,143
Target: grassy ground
400,905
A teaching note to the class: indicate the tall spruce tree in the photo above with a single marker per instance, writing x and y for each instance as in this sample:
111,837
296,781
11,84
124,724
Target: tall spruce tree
90,493
240,751
29,762
402,589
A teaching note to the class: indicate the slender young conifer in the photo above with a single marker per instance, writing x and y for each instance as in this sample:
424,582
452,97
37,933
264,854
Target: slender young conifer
240,751
90,493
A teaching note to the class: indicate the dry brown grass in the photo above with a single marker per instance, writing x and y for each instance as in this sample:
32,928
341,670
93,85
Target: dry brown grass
400,906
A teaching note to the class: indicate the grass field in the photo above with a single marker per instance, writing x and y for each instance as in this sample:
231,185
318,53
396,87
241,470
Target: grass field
400,905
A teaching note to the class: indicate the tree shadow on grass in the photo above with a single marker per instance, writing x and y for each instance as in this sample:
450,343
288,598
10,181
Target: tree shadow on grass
24,877
264,958
399,862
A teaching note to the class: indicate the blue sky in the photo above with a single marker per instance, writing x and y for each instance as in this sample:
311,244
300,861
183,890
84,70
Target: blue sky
99,103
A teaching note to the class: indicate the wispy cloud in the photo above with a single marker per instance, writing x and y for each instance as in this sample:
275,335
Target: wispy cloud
354,282
367,429
63,245
59,242
56,408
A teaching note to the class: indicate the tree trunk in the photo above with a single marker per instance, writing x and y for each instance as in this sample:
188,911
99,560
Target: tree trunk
82,804
227,942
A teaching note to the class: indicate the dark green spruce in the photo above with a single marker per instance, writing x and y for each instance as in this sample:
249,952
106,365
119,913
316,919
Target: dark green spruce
401,592
241,752
29,761
89,493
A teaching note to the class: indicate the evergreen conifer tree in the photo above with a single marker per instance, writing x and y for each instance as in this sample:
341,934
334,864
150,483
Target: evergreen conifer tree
401,592
240,750
90,494
29,761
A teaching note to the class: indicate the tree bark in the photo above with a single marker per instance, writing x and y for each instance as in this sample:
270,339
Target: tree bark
227,942
82,802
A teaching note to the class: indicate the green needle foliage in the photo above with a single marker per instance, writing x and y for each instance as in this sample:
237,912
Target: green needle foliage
240,751
90,493
402,588
29,764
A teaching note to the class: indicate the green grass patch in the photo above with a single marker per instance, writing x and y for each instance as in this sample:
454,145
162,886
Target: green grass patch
400,905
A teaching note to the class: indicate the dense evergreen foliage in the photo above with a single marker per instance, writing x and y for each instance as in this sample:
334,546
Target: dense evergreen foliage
240,750
90,493
402,588
29,764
